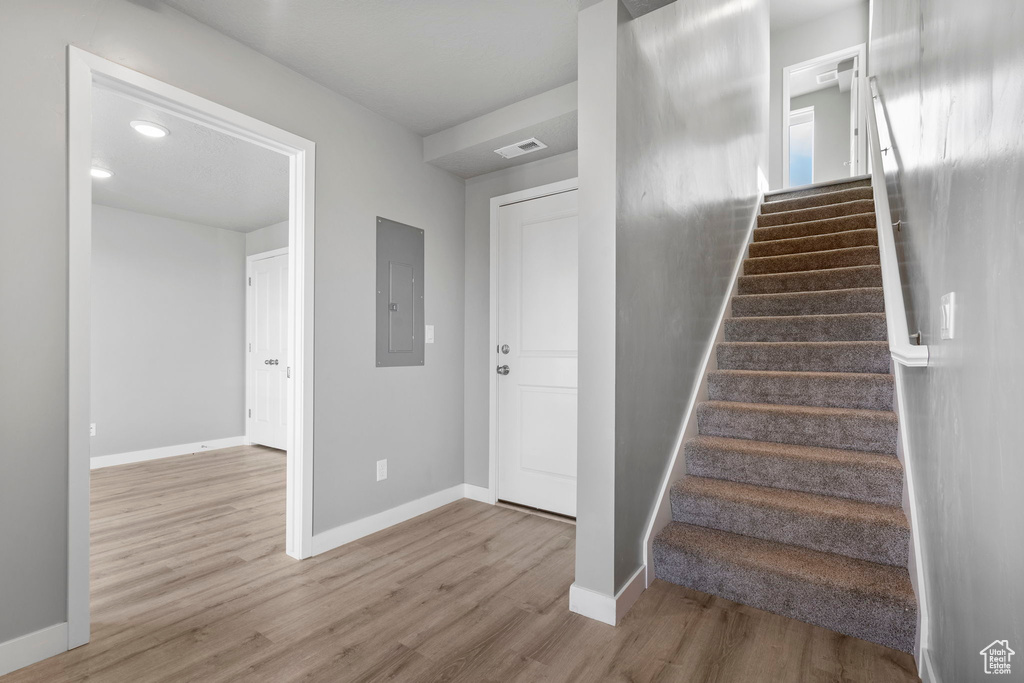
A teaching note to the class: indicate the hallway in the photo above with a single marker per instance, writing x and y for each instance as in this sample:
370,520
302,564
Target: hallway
190,582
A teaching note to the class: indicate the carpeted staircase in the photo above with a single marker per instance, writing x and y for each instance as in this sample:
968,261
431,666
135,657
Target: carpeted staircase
792,498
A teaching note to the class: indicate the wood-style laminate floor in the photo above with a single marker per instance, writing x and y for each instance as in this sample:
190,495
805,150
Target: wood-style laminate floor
190,583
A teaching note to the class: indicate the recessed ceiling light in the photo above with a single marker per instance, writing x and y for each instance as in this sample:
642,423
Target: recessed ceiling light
150,129
97,172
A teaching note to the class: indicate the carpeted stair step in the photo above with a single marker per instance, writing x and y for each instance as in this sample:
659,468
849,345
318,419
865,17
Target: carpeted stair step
854,356
815,200
866,531
826,226
850,277
862,599
815,260
868,477
863,300
802,245
863,390
814,328
806,191
873,431
817,213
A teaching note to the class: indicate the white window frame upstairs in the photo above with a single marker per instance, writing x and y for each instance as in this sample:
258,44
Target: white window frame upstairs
797,117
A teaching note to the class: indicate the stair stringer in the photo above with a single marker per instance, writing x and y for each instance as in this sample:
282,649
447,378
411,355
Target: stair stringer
915,563
915,566
661,514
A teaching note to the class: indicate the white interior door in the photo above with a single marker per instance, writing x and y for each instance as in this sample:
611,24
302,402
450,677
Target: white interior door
268,352
538,288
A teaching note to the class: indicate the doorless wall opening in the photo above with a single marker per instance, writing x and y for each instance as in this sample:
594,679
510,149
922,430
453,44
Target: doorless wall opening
86,72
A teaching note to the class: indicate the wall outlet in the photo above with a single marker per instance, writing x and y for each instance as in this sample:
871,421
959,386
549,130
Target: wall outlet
948,328
382,470
92,429
428,337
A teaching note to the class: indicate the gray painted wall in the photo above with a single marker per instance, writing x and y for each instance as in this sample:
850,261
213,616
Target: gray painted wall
366,166
672,131
692,119
950,75
831,131
168,332
799,43
595,461
267,239
478,368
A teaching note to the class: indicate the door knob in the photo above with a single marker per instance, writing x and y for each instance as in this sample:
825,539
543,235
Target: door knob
266,362
503,370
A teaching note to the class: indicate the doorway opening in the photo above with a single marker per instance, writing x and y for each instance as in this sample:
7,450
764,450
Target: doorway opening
87,76
534,341
822,118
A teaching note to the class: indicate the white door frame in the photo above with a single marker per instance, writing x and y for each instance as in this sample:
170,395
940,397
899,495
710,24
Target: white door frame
86,70
859,51
249,260
496,204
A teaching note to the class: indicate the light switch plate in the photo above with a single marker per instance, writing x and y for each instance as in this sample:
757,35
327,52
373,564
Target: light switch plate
382,470
92,429
429,335
948,328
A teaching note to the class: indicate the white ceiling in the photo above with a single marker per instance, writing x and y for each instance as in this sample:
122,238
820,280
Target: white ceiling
788,13
194,174
427,64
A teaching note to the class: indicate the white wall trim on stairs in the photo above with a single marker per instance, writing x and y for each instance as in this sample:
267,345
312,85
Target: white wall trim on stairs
915,565
99,461
33,647
605,608
661,514
926,668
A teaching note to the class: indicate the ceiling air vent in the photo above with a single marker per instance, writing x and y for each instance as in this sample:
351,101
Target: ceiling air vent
827,77
521,148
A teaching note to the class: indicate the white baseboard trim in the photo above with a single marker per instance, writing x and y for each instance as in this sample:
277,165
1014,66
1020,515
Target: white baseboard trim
629,594
33,647
480,493
605,608
346,533
928,672
164,452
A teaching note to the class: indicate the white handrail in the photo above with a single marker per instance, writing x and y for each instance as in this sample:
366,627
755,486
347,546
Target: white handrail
902,350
